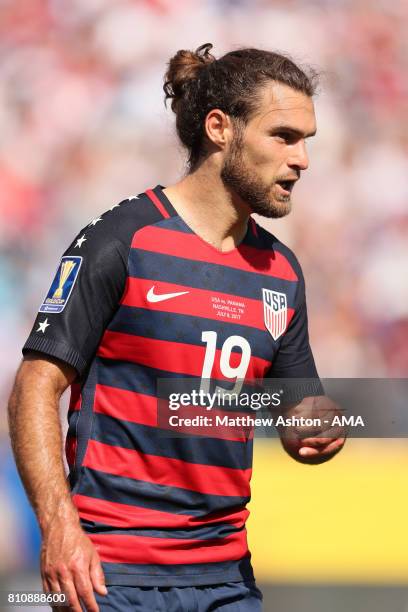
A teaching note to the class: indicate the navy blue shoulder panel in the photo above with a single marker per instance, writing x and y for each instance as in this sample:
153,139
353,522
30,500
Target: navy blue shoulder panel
89,283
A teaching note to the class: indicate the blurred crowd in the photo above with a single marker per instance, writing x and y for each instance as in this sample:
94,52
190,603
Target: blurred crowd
83,125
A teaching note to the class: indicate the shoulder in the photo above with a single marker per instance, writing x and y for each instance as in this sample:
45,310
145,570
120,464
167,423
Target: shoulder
112,231
280,251
121,221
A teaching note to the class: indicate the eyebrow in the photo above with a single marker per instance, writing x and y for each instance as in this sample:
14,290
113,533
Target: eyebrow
292,130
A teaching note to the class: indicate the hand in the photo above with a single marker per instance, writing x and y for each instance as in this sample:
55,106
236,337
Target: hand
316,441
70,564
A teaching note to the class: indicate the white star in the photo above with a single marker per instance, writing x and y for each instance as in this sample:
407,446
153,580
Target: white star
42,326
114,206
80,241
95,221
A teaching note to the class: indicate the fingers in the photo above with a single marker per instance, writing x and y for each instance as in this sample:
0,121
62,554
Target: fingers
75,583
320,441
70,563
330,433
330,448
59,582
83,586
314,417
50,582
68,587
97,576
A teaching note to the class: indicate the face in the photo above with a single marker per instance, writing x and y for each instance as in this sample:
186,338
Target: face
266,157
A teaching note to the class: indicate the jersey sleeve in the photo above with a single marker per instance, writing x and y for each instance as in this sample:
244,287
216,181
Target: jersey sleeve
294,359
83,296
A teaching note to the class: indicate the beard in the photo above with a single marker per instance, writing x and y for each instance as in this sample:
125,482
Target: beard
250,188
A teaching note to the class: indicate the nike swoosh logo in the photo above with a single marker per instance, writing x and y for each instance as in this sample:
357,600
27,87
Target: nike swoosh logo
154,297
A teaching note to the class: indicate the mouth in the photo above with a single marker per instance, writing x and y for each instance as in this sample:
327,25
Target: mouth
285,187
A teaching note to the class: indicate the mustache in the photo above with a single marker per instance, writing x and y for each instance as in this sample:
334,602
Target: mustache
287,177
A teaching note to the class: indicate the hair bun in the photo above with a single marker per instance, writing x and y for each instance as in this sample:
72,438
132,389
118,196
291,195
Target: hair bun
182,68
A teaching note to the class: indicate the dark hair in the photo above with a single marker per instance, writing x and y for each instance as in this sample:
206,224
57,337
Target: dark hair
197,82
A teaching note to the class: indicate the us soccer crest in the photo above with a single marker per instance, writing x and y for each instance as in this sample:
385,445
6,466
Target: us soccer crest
275,312
62,285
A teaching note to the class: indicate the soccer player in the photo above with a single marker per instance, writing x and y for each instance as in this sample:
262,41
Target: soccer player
176,282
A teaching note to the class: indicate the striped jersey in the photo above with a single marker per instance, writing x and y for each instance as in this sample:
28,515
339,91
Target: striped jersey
139,297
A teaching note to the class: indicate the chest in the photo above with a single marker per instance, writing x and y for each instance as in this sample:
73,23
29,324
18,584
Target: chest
191,311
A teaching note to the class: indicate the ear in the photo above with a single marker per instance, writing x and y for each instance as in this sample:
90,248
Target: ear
218,128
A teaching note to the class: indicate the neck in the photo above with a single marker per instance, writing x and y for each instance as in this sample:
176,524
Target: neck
209,209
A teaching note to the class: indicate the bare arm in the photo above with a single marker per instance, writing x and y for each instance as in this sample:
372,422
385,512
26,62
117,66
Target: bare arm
36,437
69,561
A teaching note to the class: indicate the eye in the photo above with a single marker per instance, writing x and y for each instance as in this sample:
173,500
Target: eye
286,137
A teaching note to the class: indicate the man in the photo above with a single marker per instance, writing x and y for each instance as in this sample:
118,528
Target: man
136,298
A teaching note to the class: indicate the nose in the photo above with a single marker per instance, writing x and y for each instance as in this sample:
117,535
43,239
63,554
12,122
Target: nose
299,157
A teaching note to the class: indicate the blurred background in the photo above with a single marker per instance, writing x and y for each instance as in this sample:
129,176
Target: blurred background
83,125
